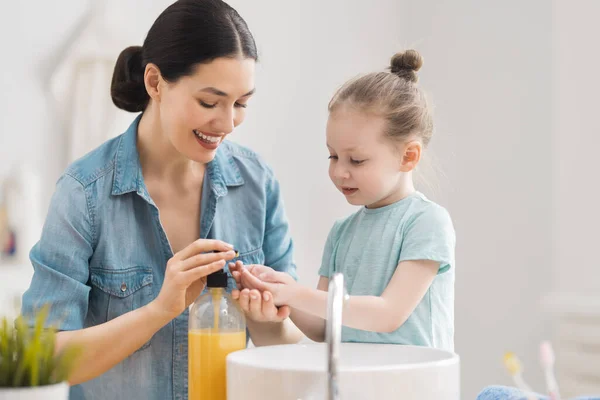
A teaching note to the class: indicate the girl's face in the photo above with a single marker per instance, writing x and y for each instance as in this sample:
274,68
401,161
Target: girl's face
364,165
198,111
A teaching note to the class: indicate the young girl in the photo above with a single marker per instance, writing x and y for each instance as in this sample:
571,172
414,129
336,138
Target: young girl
397,251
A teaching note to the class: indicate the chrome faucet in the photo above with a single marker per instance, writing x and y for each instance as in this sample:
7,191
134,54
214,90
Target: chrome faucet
336,298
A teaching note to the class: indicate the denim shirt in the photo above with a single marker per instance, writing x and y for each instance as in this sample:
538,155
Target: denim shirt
103,251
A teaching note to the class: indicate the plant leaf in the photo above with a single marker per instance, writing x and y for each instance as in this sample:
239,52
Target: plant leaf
27,354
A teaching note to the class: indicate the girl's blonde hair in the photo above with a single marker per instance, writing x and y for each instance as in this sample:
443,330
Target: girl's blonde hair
393,95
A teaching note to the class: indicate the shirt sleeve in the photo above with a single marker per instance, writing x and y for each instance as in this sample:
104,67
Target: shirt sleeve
278,245
60,259
430,235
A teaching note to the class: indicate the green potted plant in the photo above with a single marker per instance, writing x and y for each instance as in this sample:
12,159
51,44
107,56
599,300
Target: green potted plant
30,368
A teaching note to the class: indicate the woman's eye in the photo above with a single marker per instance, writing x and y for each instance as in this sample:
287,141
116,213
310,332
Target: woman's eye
332,157
207,105
356,162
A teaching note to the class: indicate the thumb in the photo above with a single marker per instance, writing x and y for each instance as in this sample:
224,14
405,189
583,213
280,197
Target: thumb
283,312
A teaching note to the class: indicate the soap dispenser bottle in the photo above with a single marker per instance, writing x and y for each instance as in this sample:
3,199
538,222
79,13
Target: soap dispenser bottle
216,327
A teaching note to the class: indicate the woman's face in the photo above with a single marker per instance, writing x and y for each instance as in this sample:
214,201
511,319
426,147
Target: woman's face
198,111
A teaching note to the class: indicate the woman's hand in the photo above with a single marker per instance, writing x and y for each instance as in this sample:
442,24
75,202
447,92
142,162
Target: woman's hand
258,306
185,275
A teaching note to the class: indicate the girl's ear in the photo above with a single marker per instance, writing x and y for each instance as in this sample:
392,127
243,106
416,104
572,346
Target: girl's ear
411,155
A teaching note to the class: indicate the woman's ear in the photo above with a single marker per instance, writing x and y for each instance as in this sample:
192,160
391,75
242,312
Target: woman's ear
153,81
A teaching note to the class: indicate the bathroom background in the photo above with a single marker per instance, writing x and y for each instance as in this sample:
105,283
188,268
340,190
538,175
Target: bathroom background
514,85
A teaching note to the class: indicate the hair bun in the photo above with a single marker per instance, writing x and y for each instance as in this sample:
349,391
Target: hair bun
406,64
127,89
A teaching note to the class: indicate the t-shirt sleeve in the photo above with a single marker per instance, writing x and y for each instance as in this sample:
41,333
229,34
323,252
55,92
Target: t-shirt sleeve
327,261
430,235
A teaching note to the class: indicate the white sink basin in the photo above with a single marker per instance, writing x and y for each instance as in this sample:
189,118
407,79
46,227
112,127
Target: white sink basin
366,371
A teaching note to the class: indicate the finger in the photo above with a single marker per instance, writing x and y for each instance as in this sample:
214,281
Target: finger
234,266
245,300
238,279
202,246
203,259
255,303
257,269
267,274
268,308
245,282
194,274
283,312
236,271
237,266
235,294
254,282
270,276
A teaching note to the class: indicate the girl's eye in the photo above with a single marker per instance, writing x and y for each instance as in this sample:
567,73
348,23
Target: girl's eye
356,162
332,157
240,105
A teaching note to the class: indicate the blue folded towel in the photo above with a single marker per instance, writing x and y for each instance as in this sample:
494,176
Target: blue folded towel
508,393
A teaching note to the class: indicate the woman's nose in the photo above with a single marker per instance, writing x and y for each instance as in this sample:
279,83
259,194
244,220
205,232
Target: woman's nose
224,123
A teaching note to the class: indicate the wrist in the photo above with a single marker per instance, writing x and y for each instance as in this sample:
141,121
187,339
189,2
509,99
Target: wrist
156,314
262,332
297,294
266,333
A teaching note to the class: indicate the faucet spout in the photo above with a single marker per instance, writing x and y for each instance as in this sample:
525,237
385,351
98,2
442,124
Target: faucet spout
333,332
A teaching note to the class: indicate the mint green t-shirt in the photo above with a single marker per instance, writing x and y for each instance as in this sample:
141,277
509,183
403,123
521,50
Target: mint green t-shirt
367,247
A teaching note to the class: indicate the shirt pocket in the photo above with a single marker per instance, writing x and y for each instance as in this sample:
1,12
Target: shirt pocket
118,291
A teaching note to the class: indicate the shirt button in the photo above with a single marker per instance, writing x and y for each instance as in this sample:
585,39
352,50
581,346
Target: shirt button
123,287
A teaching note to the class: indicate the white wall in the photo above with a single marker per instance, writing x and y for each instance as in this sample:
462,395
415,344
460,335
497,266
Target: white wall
576,216
576,84
29,36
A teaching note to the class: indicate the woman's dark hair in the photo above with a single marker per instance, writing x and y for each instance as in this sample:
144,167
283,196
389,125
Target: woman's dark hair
187,33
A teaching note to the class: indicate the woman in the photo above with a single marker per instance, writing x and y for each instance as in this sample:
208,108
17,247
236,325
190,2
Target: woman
120,258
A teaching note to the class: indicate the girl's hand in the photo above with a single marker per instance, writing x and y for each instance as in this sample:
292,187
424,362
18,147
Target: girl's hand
257,306
260,307
236,271
185,275
265,279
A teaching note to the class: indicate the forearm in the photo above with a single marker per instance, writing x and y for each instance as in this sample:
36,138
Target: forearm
371,313
273,333
104,346
312,326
